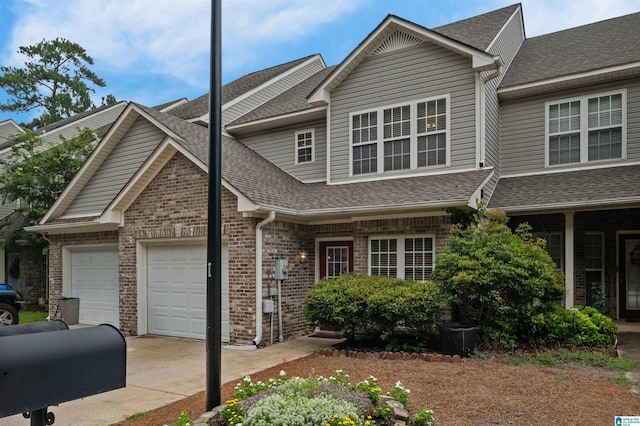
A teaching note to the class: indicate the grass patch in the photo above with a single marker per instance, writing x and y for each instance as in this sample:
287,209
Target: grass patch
596,359
32,316
138,415
623,381
560,357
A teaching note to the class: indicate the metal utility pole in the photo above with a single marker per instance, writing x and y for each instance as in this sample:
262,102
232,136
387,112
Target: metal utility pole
214,238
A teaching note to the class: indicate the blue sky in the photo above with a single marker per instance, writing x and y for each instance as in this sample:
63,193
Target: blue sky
154,51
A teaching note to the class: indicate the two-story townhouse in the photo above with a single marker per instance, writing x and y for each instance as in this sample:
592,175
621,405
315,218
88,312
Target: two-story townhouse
338,169
570,155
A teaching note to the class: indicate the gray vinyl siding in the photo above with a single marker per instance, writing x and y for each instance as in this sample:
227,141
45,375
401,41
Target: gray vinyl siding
523,128
93,121
8,131
279,147
125,159
269,91
506,46
412,73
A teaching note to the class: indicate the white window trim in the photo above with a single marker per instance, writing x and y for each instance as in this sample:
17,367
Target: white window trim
313,146
584,127
400,245
413,138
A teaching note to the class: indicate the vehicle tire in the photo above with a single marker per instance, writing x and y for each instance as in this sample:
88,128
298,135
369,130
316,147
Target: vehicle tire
8,314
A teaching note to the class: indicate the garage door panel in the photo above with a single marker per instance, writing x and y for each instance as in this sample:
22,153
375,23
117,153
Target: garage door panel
94,280
179,272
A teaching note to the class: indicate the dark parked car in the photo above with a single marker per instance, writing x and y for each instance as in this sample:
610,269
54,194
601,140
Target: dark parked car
9,305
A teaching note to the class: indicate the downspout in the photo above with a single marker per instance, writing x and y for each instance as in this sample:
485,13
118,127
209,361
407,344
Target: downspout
259,226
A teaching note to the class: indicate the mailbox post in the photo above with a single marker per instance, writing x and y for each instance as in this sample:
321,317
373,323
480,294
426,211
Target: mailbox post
46,368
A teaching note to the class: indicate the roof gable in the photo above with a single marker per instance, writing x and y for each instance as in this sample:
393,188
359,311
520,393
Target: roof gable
395,33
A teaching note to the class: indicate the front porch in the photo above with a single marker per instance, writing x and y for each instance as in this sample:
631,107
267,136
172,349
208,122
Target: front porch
599,253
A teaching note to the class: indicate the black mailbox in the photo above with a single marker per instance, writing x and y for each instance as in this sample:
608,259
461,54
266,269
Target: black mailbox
32,327
47,368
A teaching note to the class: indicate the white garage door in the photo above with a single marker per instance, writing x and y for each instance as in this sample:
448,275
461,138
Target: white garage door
94,280
177,289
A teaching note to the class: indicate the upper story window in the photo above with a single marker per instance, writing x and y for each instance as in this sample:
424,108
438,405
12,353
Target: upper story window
588,128
408,257
400,137
305,146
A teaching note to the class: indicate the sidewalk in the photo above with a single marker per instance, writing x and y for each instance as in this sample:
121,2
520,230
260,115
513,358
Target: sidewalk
161,370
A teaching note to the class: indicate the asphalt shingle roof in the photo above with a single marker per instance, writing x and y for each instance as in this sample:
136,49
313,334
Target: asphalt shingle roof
590,47
200,105
76,117
292,100
478,31
268,185
608,186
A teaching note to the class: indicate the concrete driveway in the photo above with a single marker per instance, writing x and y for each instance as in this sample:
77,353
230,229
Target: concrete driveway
161,370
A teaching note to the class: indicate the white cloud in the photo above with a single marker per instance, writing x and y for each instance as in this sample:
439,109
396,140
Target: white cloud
167,37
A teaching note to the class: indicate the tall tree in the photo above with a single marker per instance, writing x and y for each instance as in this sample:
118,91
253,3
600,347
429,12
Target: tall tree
56,79
36,172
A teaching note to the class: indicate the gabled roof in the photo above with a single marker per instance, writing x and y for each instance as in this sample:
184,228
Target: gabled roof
164,107
78,117
8,130
230,91
260,183
612,186
291,101
570,54
481,61
478,31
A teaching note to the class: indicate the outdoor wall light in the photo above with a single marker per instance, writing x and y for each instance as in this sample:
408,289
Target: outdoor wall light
302,256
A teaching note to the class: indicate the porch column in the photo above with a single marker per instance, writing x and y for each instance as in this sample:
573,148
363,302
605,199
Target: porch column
568,259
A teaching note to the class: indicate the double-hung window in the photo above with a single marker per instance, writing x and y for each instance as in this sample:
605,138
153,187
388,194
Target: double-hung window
408,257
400,137
305,144
588,128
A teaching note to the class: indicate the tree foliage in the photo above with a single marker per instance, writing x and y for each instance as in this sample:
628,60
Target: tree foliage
55,79
496,278
36,172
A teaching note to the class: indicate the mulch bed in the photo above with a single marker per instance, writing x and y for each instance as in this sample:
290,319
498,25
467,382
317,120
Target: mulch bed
461,392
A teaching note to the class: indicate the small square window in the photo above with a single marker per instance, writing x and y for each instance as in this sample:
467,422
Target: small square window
305,146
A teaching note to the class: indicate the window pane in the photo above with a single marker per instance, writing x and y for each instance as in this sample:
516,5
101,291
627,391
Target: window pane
397,122
418,258
397,155
564,149
593,251
605,144
364,159
383,257
432,150
364,128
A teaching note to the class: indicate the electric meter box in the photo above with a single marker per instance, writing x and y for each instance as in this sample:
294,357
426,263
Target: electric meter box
282,269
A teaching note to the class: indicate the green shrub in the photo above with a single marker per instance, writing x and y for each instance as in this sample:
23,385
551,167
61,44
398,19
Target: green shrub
497,279
378,305
579,326
301,411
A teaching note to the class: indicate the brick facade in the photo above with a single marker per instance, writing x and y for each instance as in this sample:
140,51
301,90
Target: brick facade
174,206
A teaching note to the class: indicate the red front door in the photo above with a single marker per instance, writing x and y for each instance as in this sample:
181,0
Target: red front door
336,258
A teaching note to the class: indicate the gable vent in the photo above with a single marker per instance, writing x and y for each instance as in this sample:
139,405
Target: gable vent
397,40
